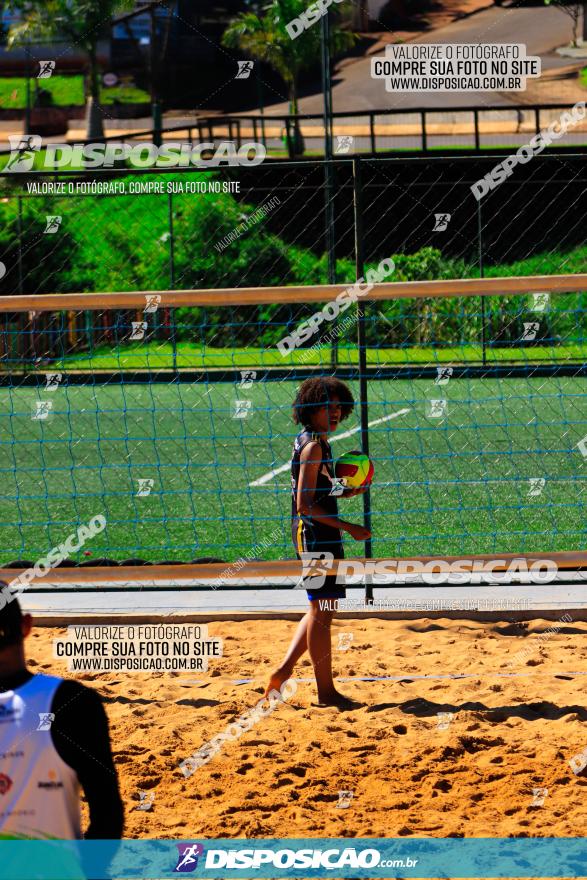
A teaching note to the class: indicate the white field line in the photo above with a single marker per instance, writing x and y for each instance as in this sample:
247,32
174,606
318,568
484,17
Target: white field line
285,467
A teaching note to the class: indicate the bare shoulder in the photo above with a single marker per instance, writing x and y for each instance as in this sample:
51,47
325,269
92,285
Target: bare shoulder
312,451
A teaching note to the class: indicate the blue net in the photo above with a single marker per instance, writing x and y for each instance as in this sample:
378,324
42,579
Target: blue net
174,421
182,436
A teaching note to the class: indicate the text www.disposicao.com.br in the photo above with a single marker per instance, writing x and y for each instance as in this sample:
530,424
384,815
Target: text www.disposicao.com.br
134,664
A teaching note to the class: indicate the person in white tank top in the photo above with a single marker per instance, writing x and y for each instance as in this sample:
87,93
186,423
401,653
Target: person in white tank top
54,741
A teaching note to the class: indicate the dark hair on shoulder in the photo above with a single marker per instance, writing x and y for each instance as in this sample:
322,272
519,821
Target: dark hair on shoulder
314,393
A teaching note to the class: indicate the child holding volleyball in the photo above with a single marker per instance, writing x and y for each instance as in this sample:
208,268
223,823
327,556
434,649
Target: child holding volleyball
320,405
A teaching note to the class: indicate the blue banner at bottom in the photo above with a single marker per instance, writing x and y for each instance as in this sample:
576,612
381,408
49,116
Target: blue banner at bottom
309,857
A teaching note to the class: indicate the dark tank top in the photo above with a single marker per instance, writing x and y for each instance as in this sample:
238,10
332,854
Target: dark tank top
324,483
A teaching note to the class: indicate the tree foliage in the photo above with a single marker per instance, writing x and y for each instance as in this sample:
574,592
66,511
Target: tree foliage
80,22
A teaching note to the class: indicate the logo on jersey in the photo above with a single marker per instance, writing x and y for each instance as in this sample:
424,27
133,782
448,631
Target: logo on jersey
11,713
52,783
5,783
187,860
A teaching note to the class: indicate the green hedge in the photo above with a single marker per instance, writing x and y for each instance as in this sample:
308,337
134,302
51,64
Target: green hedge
122,243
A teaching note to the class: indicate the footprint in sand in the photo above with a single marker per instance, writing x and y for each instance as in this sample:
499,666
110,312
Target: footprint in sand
282,781
442,785
404,831
149,782
297,771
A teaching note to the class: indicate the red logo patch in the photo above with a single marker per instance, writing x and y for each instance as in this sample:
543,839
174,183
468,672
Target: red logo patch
5,783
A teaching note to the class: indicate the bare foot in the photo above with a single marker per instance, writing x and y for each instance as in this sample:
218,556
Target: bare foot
335,698
277,679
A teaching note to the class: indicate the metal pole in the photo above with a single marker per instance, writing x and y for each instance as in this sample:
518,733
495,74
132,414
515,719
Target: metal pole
361,340
22,348
257,10
481,273
19,204
155,105
172,282
326,84
259,89
27,112
328,169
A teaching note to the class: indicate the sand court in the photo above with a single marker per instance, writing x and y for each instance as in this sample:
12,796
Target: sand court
467,729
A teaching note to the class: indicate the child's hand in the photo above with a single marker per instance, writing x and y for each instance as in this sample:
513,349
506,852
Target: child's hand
350,493
359,533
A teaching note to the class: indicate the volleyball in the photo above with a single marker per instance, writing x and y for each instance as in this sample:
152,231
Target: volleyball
355,469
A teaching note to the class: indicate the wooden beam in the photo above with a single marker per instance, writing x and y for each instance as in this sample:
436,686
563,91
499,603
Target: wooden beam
244,296
271,569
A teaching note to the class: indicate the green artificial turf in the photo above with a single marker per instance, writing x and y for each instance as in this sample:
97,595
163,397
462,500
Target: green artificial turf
456,485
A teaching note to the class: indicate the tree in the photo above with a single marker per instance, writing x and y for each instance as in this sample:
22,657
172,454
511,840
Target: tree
81,23
573,10
265,38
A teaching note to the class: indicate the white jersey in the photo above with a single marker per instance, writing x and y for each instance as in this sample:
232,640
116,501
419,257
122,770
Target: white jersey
39,792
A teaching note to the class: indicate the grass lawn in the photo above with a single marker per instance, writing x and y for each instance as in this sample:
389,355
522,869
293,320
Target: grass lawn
66,91
453,485
159,356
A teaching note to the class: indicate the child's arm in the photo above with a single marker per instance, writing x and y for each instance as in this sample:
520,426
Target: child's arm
310,462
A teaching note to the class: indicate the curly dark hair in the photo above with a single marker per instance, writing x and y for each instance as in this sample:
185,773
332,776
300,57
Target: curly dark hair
314,393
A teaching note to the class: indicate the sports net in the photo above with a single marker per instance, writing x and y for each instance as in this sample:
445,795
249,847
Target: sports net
172,418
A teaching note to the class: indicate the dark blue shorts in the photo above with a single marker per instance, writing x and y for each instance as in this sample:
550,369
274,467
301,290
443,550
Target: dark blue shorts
309,537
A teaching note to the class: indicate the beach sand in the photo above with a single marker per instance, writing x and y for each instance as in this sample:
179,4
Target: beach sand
516,720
